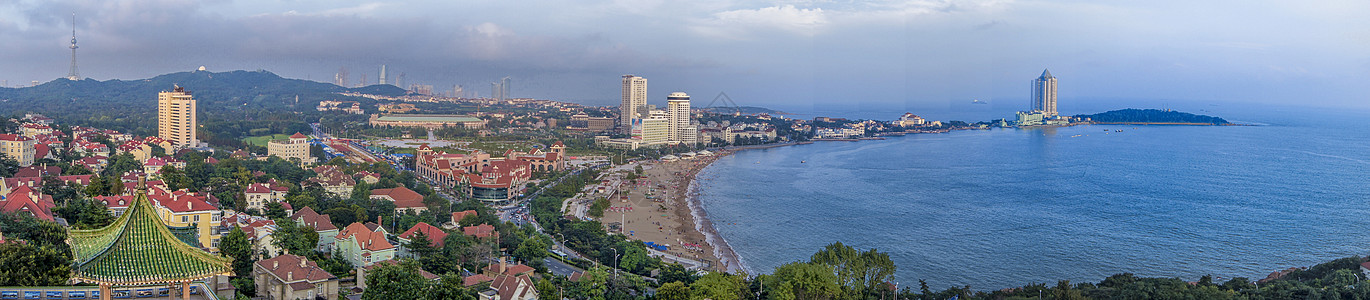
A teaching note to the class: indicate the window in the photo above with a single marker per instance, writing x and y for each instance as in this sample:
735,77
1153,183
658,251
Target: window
185,219
197,218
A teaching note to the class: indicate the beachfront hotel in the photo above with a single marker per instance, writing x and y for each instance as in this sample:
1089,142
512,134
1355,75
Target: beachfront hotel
634,101
1044,94
1043,106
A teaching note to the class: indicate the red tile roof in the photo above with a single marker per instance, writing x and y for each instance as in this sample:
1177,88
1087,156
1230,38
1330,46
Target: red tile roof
297,135
403,197
435,235
366,238
320,222
457,216
25,199
293,269
480,231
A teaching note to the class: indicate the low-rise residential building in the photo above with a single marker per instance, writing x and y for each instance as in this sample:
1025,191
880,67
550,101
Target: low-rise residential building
322,224
482,231
293,277
363,245
259,194
294,147
24,199
405,199
435,237
258,230
33,130
185,209
18,147
333,181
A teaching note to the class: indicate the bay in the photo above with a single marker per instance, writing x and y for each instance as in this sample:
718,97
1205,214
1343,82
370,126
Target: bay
1008,207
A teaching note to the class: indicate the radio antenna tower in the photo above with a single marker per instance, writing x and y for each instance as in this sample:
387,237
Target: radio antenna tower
73,75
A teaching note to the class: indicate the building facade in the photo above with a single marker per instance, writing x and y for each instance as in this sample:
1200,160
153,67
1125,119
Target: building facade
18,147
634,100
293,277
177,118
678,106
296,147
1044,94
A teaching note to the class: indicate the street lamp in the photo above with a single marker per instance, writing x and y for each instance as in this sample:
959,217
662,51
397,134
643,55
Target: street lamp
615,262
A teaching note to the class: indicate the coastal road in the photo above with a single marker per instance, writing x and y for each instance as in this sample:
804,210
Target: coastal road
559,268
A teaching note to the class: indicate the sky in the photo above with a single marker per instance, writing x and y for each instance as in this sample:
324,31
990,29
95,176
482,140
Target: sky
911,55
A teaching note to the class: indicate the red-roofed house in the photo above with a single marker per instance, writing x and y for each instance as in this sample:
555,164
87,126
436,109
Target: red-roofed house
506,287
322,223
404,198
24,199
293,277
480,231
259,194
459,215
34,129
435,237
362,246
181,208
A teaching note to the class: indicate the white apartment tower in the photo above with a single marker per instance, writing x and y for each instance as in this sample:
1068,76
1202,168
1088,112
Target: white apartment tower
177,118
678,107
656,128
634,101
1044,94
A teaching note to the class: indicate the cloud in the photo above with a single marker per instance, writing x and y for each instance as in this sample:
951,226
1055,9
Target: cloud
742,22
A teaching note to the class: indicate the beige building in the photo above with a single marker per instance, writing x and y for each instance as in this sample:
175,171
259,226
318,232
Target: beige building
18,147
177,118
296,147
293,277
634,101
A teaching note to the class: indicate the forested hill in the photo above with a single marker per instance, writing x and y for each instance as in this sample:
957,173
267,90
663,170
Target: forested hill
130,105
1133,115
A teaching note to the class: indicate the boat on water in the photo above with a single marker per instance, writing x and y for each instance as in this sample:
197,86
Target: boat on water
803,161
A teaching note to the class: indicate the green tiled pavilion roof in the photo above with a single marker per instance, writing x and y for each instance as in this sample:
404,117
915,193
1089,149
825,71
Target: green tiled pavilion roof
138,248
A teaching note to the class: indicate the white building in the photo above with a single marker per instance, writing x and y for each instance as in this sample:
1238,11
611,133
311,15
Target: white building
678,107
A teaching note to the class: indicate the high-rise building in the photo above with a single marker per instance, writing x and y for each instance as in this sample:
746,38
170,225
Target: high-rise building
504,88
1044,94
382,74
496,91
341,78
177,118
634,101
457,92
678,108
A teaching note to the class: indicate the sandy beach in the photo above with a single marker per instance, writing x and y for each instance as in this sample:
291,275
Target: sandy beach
661,208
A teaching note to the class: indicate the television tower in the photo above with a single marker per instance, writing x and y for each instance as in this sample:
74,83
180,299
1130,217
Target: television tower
73,75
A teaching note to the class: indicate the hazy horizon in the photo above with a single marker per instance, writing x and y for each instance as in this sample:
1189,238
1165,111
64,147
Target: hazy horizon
781,54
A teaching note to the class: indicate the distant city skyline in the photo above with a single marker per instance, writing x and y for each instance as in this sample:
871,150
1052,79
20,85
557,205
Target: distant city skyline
905,54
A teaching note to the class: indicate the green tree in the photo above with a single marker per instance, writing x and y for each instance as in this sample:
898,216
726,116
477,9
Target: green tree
450,287
720,286
275,210
395,282
420,245
236,246
8,165
84,213
30,265
857,271
531,250
295,239
798,280
673,291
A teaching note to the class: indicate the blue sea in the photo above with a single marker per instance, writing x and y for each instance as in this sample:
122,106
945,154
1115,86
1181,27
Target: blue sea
1009,207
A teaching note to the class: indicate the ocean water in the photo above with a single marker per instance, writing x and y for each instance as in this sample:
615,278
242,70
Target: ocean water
1007,207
